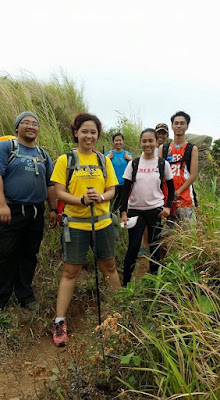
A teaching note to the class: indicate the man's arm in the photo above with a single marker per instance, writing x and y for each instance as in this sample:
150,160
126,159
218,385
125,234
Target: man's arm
5,212
193,172
52,201
160,151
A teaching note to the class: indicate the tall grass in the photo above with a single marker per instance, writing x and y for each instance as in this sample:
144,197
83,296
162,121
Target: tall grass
131,131
165,343
201,243
168,338
54,102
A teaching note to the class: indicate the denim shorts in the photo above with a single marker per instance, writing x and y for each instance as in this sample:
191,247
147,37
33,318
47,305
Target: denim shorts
75,251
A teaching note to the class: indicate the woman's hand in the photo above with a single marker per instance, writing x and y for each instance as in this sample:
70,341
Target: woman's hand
110,155
127,157
92,195
124,218
164,213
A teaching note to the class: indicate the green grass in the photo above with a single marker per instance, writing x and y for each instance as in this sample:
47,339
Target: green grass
54,102
165,344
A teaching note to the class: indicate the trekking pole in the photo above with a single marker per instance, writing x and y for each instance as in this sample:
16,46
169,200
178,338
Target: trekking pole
94,249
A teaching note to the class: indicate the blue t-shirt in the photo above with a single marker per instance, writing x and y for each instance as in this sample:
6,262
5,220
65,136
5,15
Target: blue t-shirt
21,184
119,163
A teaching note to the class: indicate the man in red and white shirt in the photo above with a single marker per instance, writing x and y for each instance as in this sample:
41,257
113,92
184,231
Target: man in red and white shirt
183,177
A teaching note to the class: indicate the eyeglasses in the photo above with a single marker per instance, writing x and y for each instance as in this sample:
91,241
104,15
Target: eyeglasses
29,123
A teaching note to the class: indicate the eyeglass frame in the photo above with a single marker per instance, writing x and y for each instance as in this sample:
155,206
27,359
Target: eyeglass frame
33,124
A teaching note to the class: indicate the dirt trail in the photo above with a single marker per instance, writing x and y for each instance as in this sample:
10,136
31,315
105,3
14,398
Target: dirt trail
22,376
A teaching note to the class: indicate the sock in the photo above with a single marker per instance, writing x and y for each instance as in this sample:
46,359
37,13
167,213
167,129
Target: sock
57,320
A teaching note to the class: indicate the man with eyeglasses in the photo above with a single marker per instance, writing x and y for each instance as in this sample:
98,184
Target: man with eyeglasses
25,171
183,159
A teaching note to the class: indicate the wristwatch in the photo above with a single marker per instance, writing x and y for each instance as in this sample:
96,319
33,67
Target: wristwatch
102,197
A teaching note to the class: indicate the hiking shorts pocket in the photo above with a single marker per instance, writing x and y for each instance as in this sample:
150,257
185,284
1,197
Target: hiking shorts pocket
75,251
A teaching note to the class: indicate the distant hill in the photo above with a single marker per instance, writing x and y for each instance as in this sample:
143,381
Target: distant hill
203,142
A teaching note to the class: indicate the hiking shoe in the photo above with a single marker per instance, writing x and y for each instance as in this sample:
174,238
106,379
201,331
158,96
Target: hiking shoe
60,337
32,306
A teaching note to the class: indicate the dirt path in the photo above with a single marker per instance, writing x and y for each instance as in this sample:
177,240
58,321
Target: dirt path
23,375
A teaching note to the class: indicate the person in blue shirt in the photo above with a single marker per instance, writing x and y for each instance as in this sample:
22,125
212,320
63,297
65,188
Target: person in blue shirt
24,186
119,159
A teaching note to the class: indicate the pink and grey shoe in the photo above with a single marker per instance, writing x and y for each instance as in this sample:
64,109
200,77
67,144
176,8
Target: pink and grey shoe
60,337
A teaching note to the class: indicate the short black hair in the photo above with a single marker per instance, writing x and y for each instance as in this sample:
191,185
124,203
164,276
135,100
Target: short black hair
80,119
181,114
117,134
149,130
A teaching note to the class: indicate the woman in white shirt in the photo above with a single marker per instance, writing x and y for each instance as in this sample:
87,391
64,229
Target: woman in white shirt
146,201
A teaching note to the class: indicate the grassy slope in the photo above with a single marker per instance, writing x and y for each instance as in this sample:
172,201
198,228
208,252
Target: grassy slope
168,332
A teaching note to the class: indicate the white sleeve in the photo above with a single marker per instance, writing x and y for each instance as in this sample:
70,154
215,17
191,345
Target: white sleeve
168,172
128,172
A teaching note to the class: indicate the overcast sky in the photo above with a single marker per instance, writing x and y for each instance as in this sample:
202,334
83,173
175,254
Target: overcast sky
146,59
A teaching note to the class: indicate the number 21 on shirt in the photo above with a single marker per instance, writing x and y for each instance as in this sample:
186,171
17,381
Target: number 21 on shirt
175,169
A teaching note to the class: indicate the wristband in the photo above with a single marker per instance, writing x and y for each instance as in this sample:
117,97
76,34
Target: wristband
83,202
54,209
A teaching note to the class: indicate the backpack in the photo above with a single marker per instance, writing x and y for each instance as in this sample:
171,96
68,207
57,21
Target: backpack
186,158
7,137
72,165
15,154
160,166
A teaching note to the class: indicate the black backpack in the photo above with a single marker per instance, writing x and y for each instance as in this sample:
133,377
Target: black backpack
186,158
160,166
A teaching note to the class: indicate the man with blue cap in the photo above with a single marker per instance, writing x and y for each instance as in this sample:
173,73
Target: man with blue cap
25,171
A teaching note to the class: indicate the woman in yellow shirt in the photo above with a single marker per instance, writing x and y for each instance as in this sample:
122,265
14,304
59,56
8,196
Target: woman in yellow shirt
87,185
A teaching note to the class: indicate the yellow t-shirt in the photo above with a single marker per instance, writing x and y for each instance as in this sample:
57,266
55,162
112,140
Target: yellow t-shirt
78,186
